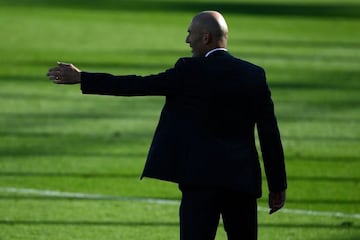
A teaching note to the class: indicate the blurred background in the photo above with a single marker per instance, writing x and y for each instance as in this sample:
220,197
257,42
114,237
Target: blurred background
70,163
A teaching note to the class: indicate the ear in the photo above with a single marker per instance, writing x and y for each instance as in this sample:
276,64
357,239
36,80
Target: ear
207,38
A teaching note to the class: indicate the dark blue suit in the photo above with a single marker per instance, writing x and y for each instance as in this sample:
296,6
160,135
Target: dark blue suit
205,136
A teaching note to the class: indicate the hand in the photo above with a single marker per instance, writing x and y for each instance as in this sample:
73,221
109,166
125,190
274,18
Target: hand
64,73
276,201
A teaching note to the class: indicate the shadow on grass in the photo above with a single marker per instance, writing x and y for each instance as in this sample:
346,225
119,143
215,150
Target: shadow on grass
286,43
322,138
342,225
167,224
315,10
329,202
171,201
337,159
334,179
90,223
69,175
85,175
341,237
93,144
85,197
303,118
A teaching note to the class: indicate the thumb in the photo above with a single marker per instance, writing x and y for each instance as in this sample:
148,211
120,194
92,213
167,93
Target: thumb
62,64
68,66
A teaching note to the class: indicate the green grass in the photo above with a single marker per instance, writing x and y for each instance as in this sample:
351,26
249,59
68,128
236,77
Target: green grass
54,138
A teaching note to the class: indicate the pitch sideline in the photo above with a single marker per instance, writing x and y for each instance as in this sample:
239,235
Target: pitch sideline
75,195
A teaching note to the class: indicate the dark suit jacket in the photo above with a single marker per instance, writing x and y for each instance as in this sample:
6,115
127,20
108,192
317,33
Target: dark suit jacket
205,135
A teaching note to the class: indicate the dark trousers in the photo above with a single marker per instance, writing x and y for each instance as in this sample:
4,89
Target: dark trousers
201,208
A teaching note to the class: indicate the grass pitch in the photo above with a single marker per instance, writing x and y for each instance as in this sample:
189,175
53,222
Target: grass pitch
52,138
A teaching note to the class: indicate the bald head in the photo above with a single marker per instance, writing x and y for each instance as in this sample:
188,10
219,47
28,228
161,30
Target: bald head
208,30
214,23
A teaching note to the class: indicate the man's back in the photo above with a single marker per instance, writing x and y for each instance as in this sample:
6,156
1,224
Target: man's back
205,134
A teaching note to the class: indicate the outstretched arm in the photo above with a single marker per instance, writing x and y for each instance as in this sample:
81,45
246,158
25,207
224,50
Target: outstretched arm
64,73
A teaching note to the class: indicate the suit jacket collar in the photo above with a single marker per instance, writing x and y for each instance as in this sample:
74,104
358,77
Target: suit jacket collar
218,53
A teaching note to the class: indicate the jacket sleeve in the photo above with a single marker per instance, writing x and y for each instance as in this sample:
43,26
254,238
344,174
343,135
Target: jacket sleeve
162,84
270,143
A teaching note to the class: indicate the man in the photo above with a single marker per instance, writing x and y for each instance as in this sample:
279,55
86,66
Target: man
205,137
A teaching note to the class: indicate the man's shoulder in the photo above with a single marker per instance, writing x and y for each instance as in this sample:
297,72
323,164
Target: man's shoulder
250,65
189,62
225,60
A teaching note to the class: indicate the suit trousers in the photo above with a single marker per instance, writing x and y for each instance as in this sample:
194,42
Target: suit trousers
201,208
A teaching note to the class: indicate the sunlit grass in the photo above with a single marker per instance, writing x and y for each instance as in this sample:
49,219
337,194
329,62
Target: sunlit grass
54,138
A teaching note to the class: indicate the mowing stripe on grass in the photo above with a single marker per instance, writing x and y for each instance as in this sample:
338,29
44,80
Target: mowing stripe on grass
86,196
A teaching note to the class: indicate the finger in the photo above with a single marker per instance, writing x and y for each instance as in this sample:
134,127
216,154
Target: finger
53,73
58,81
55,79
52,78
54,69
275,207
276,204
273,210
50,74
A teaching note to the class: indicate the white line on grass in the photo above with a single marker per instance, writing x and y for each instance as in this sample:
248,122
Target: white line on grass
60,194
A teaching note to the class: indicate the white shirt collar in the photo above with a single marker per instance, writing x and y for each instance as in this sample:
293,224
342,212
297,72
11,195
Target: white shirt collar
214,50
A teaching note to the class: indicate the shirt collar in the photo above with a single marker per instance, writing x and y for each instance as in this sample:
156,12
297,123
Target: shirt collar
214,50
